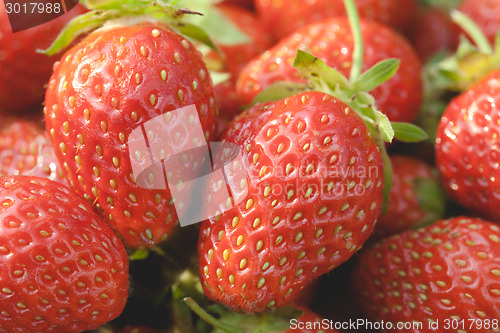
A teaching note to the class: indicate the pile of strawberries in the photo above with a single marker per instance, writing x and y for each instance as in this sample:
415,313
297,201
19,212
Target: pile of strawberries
359,167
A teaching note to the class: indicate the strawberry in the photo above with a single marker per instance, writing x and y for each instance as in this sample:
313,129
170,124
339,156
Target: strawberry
332,41
416,197
25,149
467,148
106,86
434,32
314,193
63,268
485,13
284,17
446,273
23,71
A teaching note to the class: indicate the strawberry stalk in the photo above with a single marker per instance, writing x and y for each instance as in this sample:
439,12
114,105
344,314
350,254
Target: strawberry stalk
355,92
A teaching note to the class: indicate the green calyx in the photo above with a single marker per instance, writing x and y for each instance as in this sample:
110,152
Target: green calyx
228,321
185,21
471,62
431,197
353,91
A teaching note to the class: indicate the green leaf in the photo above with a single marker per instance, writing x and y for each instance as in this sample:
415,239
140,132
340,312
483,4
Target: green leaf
139,255
196,33
316,71
407,132
279,90
75,28
217,25
431,197
376,75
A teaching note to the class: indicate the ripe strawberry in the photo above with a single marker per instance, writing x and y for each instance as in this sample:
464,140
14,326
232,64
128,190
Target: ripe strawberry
25,149
23,71
284,17
434,32
235,57
314,192
332,41
467,148
63,269
485,13
106,86
416,197
448,271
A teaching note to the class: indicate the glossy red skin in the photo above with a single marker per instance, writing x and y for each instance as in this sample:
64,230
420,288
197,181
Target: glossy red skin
23,71
152,218
434,32
485,13
346,217
25,149
237,56
284,17
307,320
426,274
54,248
403,210
331,41
467,148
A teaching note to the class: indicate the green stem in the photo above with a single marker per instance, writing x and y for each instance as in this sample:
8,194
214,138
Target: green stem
357,57
471,28
191,303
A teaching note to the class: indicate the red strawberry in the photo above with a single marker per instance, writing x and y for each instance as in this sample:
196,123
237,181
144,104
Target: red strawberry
285,16
25,149
416,198
23,71
106,86
467,148
314,193
331,41
235,57
447,272
485,13
434,32
63,269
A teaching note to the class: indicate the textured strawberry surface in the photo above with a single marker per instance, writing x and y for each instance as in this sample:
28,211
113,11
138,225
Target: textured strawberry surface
468,150
25,149
23,71
332,42
63,268
103,89
285,16
404,211
314,192
444,271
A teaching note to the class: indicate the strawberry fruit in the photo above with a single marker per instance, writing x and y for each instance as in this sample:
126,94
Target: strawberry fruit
314,193
63,268
445,272
467,148
105,87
